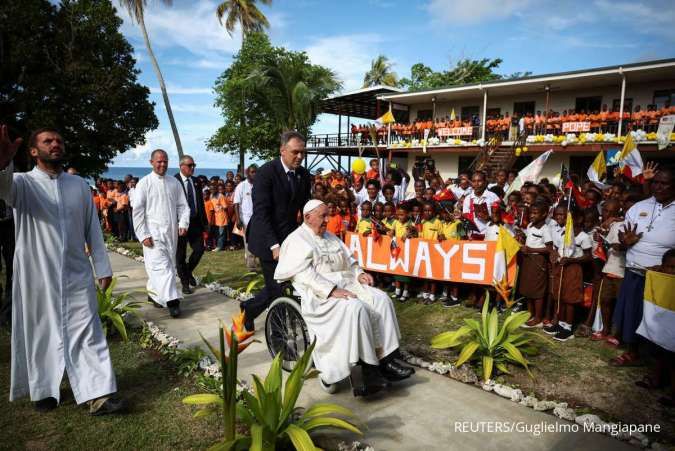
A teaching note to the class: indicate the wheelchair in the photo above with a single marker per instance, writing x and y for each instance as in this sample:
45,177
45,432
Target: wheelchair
286,331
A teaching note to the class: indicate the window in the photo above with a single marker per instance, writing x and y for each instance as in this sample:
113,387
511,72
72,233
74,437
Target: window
579,165
663,98
522,108
468,112
465,162
423,115
627,104
588,104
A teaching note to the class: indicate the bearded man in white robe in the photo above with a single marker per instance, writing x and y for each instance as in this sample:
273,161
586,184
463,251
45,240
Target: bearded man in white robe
161,213
353,322
55,322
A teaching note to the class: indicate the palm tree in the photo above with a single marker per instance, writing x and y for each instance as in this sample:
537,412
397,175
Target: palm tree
251,19
380,73
136,10
294,90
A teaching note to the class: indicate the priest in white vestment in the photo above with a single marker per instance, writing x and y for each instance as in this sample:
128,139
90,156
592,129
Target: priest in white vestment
352,321
160,213
55,322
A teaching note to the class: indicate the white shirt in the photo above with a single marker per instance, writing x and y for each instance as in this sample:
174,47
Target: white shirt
616,260
459,191
537,238
243,197
582,242
506,186
360,196
399,192
657,224
130,193
473,198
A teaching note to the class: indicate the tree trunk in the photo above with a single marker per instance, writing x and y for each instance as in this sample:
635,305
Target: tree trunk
162,86
242,151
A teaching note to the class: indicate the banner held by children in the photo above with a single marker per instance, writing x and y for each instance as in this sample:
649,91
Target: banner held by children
448,260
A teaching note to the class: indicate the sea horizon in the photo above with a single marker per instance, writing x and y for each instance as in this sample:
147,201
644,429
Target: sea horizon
119,172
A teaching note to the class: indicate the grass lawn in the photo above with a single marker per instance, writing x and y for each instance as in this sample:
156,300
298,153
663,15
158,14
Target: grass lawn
156,418
576,371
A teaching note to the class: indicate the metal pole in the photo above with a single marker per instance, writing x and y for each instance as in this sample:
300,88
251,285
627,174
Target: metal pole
623,95
484,120
349,131
339,128
389,130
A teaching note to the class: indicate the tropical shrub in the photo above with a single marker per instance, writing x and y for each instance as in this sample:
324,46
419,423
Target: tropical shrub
270,412
113,309
492,344
254,279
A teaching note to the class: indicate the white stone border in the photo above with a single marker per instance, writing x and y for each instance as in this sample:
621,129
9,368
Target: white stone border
560,409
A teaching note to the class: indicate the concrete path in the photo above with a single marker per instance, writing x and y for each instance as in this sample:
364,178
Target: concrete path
421,413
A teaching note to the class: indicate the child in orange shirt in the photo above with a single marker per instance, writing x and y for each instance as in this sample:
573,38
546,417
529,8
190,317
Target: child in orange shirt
374,171
334,224
209,239
219,202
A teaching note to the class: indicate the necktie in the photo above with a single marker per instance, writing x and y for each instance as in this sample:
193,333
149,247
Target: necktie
291,181
191,198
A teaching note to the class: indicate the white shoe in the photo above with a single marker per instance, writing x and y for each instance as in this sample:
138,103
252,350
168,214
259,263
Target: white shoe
425,295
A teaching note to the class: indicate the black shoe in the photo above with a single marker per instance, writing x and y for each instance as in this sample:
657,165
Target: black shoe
174,308
395,372
450,302
186,288
108,406
564,334
373,381
552,329
154,304
249,324
45,405
192,281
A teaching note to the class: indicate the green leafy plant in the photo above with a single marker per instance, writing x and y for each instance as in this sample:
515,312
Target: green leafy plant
254,279
492,344
187,360
211,277
270,412
113,308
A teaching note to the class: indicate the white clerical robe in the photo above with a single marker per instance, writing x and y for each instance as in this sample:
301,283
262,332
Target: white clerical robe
159,209
346,330
55,323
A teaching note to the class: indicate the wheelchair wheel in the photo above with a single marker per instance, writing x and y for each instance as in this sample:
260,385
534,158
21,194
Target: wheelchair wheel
286,331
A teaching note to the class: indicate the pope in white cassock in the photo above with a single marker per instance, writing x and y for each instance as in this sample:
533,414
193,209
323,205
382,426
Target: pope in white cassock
55,322
160,213
353,322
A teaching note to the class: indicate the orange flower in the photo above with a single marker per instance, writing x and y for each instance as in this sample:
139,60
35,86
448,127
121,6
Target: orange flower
503,289
240,332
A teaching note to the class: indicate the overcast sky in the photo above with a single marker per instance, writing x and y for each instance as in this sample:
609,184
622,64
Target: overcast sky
540,36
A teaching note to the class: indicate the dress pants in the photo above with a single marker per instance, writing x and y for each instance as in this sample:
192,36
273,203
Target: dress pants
269,293
194,238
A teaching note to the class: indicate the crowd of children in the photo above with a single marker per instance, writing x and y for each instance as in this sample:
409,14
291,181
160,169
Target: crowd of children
563,279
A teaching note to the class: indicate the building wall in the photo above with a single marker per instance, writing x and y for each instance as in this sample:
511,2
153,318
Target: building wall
642,94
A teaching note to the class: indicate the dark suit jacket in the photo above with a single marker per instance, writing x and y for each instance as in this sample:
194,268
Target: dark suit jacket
275,211
199,222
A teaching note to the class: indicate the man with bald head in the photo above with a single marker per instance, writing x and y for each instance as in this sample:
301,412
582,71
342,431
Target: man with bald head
161,214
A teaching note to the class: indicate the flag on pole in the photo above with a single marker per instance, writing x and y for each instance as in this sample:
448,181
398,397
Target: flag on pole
598,170
505,257
386,118
658,314
630,160
452,115
568,239
529,173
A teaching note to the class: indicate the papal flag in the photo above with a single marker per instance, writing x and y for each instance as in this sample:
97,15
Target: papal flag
453,116
598,170
658,317
386,118
504,260
529,173
568,238
630,160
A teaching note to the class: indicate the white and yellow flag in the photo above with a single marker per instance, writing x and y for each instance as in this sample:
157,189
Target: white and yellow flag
658,316
386,118
504,260
630,160
598,170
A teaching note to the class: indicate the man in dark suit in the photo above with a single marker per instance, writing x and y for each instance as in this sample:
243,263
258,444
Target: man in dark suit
280,190
198,225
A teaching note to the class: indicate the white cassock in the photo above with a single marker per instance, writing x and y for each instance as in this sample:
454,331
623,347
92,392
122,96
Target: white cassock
55,323
346,330
159,209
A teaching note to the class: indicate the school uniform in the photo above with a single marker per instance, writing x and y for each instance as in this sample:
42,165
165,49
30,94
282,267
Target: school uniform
431,228
533,279
572,286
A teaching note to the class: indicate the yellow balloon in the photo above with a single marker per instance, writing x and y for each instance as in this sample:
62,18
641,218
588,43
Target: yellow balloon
525,149
359,166
518,151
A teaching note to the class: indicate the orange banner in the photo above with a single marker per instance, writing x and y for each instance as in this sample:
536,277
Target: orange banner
449,260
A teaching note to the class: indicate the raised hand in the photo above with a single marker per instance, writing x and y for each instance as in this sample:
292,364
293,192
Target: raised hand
629,235
7,147
649,171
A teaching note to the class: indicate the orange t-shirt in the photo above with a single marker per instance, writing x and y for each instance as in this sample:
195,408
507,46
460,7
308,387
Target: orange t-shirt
604,115
122,202
97,201
335,225
220,209
210,212
373,174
